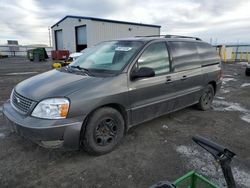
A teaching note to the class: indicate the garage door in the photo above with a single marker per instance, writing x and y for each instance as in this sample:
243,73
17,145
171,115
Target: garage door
59,40
81,38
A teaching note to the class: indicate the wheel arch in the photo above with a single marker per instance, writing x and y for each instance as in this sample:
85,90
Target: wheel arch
120,108
213,83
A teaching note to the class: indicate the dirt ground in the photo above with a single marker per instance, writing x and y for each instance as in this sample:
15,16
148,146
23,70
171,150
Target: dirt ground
161,149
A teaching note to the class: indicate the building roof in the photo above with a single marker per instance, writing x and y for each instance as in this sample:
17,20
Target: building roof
104,20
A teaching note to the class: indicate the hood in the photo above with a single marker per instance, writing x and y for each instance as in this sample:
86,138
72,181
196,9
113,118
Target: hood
53,84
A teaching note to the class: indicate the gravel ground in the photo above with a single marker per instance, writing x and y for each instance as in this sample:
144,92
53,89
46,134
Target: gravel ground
157,150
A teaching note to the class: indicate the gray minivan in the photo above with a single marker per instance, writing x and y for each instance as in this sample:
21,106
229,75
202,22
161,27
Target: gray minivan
113,86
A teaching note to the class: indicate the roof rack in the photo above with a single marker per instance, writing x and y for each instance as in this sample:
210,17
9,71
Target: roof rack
179,36
171,36
152,36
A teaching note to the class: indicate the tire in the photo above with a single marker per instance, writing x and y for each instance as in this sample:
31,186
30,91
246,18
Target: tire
104,130
247,72
206,98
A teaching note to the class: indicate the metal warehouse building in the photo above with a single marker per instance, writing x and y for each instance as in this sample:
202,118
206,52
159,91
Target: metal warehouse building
74,33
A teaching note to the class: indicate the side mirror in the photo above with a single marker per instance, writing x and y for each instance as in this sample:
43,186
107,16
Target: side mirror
143,72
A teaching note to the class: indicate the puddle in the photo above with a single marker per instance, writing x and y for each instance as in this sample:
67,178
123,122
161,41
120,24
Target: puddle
245,85
203,162
19,73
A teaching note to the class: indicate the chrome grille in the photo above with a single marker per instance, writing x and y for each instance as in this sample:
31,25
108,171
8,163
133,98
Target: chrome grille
21,103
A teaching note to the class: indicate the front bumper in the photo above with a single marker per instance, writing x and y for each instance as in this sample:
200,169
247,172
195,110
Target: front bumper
63,133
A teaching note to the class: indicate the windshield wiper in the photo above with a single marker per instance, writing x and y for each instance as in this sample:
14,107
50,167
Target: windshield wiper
82,69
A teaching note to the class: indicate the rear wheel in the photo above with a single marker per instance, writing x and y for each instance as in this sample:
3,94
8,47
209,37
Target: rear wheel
104,130
206,98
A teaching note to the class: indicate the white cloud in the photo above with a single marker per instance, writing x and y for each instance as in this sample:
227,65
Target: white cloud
226,20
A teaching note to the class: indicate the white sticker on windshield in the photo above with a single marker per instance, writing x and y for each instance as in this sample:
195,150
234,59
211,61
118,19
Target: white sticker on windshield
125,49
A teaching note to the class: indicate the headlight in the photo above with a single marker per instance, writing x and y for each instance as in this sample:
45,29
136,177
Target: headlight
55,108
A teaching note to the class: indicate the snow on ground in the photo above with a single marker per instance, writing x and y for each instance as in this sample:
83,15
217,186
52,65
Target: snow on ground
221,98
243,63
2,135
225,80
227,75
245,85
221,105
222,90
246,118
203,163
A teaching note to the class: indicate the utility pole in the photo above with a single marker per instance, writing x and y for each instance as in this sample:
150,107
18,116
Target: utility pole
49,37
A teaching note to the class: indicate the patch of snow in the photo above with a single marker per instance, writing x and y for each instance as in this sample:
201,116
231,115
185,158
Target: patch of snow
2,136
241,176
164,126
225,80
243,63
221,98
246,118
227,75
224,90
203,162
220,105
245,85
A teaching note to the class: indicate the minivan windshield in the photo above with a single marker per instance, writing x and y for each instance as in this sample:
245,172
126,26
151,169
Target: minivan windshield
108,57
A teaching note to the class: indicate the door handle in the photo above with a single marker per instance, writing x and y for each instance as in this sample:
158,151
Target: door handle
184,77
168,79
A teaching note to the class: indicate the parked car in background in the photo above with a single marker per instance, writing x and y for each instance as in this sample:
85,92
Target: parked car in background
111,87
247,69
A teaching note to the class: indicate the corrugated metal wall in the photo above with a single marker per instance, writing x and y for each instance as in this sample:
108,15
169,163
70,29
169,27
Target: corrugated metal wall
98,31
101,31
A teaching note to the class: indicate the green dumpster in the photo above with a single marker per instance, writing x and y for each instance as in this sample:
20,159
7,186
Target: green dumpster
37,54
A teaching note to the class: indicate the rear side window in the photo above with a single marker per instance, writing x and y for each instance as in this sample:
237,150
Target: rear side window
156,57
185,55
207,53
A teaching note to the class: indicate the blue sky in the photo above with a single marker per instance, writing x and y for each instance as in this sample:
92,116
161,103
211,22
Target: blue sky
226,21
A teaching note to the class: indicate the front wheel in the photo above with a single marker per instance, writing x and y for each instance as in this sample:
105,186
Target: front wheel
206,98
104,130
